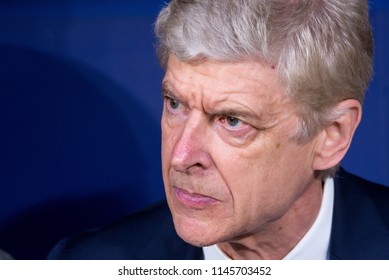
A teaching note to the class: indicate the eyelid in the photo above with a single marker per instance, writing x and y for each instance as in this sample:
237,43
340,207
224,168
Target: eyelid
168,95
246,117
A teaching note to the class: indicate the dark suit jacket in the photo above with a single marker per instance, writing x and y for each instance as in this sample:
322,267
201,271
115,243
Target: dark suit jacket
360,230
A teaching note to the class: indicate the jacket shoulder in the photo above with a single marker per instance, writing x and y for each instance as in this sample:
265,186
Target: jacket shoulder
360,227
148,234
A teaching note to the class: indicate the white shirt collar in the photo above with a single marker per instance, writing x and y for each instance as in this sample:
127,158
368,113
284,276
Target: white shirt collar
314,245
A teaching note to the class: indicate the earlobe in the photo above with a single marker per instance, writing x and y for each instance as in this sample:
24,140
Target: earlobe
335,138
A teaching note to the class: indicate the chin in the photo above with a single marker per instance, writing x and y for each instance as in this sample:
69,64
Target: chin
195,240
196,233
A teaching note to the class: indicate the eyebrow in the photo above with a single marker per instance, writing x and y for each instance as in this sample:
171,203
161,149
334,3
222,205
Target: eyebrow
166,91
236,113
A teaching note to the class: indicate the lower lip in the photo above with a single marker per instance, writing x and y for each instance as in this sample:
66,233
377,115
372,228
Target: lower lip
193,200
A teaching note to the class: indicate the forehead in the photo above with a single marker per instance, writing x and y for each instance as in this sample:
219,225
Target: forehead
212,84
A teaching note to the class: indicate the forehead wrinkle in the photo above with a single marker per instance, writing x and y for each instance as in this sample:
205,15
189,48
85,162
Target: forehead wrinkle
185,89
248,92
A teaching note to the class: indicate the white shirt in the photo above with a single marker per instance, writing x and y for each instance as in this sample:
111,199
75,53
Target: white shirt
315,243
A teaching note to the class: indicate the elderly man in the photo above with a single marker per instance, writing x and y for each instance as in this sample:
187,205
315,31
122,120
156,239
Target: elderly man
261,101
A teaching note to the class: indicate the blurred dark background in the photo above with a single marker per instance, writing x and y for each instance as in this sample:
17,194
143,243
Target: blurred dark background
79,117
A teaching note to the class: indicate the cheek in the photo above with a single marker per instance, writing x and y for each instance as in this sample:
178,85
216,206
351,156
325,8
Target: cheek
261,176
250,174
168,135
240,173
166,146
246,165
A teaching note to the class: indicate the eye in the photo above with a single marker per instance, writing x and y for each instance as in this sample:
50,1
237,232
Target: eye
232,123
174,104
235,127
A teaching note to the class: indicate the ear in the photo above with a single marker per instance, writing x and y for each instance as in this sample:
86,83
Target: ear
335,138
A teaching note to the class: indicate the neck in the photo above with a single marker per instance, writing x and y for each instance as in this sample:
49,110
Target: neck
275,240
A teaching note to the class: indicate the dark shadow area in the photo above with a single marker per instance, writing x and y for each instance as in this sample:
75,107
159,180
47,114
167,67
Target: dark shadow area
32,233
71,151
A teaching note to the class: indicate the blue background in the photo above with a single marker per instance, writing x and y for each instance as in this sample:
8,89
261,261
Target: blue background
80,104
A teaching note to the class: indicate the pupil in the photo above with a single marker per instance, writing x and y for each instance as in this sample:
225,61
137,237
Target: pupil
232,121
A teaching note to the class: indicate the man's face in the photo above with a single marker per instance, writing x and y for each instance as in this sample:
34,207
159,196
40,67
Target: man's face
229,167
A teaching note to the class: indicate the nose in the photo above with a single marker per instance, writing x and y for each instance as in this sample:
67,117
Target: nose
190,152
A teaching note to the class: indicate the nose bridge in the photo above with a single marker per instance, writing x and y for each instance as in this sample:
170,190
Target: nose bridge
190,148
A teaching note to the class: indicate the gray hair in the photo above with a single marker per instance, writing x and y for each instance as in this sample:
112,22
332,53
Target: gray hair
322,48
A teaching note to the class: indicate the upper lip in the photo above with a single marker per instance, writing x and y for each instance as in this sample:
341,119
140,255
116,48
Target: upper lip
190,192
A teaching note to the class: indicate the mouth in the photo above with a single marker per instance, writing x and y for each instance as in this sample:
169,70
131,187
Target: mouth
193,200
